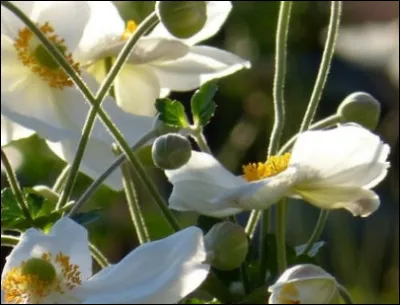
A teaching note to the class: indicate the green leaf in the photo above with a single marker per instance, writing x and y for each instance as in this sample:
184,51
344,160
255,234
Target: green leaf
11,214
203,106
313,251
172,113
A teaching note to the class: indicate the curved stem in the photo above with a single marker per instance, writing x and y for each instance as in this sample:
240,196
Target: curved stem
281,236
201,140
15,187
60,182
9,241
98,256
333,30
345,295
319,228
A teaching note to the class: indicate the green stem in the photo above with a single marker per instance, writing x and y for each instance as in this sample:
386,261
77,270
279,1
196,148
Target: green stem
319,228
215,287
327,122
116,164
9,241
149,22
201,140
98,256
15,187
281,236
245,278
333,30
60,182
345,295
133,206
263,261
252,223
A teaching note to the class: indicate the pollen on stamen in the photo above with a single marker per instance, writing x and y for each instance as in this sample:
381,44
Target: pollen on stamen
42,63
129,30
273,166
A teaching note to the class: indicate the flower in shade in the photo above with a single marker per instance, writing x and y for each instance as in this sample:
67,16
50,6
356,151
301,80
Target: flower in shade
12,132
304,284
331,169
159,62
55,268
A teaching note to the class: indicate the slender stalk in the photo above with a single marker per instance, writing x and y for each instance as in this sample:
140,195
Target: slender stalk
15,187
133,206
245,278
281,236
263,262
60,182
252,223
333,30
98,256
327,122
319,228
201,140
9,241
345,295
99,181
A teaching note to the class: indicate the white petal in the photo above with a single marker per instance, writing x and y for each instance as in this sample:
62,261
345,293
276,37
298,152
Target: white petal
217,13
12,132
200,65
68,18
359,201
159,272
348,155
136,89
11,24
66,236
259,194
99,34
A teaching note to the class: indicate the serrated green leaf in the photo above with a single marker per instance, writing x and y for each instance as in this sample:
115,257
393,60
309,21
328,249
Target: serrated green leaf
313,251
86,217
10,211
172,113
203,106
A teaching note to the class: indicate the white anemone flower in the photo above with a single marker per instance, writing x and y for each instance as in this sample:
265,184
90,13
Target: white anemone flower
57,268
331,169
159,62
12,132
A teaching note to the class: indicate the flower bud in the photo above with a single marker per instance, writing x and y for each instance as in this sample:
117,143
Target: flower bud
182,19
39,268
46,192
161,128
360,108
228,244
171,151
304,284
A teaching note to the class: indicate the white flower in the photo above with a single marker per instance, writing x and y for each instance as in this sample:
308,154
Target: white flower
37,95
159,62
330,169
57,268
12,132
304,284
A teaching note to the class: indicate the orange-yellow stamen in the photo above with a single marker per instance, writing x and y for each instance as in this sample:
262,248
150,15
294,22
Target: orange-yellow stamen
289,294
129,30
22,287
273,166
34,56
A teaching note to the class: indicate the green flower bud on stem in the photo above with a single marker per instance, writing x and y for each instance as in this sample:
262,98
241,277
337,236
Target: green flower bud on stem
171,151
39,268
229,245
161,128
182,19
360,108
46,192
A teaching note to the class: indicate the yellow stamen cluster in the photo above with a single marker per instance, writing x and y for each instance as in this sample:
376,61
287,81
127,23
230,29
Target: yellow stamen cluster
273,166
129,30
34,56
289,294
22,287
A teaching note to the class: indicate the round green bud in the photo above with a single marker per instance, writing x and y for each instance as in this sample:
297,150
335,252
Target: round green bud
161,128
40,268
228,244
182,19
46,192
360,108
171,151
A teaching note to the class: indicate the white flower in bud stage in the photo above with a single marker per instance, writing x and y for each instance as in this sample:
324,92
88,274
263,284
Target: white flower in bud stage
304,284
57,268
330,169
159,62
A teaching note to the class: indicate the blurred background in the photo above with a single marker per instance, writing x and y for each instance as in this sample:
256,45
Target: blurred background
362,253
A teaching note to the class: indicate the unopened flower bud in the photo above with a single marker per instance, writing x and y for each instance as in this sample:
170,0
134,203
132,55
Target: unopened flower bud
46,192
228,244
182,19
360,108
304,284
171,151
40,269
161,128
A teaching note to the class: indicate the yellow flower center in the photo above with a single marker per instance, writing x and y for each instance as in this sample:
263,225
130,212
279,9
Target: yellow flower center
289,294
129,30
273,166
35,279
35,56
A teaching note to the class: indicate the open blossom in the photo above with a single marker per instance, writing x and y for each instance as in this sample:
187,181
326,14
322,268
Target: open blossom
12,132
304,284
159,62
331,169
57,268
